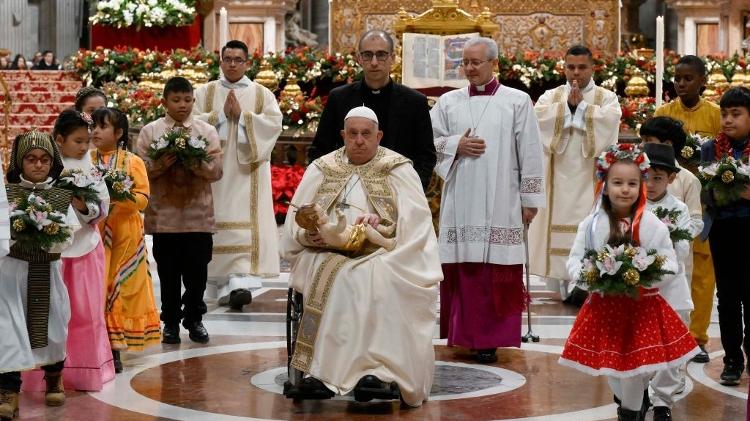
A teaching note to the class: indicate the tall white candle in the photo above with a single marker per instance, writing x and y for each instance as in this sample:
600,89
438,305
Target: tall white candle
330,26
223,28
659,59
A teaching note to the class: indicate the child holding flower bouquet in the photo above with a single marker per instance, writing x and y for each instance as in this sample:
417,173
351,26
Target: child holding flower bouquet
183,157
622,254
699,117
35,309
667,384
727,197
89,364
129,311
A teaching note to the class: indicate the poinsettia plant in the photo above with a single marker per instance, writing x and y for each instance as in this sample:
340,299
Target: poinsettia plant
284,182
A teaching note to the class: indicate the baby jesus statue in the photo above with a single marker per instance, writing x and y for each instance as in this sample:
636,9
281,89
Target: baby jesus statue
341,236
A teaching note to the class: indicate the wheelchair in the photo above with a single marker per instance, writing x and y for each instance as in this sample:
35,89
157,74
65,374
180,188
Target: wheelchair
294,388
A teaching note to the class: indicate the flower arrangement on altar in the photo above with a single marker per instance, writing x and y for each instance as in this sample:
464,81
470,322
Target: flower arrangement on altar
284,182
144,13
621,270
636,110
101,65
725,180
81,183
141,105
669,217
301,113
190,151
35,223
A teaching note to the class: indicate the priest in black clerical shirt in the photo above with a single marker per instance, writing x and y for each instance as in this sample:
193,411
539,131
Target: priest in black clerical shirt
402,112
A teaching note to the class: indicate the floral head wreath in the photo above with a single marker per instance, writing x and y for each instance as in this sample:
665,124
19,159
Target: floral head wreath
620,152
615,153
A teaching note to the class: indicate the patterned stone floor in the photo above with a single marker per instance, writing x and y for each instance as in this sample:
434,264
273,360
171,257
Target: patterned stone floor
237,376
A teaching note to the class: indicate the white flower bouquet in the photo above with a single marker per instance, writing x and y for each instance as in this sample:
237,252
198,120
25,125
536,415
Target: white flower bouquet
144,13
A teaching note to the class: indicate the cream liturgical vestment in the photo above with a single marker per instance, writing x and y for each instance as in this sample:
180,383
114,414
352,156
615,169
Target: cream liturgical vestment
480,210
373,314
246,238
571,141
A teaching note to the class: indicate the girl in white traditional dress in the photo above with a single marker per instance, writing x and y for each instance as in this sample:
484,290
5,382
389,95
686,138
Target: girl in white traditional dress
34,305
89,364
626,338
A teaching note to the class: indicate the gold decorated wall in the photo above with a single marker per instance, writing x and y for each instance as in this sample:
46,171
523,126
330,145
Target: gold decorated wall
524,24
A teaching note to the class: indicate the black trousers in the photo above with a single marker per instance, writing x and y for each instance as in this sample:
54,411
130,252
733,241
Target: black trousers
182,258
731,256
12,379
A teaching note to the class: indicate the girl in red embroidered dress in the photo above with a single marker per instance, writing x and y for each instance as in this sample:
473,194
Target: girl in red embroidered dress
627,339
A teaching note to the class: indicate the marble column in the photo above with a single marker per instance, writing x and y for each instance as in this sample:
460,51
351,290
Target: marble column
320,20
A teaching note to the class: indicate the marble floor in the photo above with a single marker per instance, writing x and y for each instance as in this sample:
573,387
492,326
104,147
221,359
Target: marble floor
238,376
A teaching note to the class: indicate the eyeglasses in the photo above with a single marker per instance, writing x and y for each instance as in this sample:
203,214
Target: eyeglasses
473,63
32,160
235,60
380,55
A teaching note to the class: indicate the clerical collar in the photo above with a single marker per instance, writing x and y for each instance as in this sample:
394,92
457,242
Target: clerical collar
488,88
242,83
44,185
172,122
384,90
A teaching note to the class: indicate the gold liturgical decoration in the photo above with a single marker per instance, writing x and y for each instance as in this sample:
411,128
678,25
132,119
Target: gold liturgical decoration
291,89
739,78
267,77
445,18
636,86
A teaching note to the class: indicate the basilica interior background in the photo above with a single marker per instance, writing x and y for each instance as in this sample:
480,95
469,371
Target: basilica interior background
240,374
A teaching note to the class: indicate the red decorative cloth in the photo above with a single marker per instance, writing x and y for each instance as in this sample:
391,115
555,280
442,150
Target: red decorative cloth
622,336
481,304
169,38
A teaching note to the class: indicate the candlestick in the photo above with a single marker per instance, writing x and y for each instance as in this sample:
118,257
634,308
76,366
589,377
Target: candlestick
659,59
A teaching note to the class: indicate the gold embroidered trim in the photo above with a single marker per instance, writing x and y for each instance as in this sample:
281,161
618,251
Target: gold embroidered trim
250,133
233,225
590,145
315,303
259,98
213,118
559,120
208,105
232,249
254,231
559,252
550,209
564,228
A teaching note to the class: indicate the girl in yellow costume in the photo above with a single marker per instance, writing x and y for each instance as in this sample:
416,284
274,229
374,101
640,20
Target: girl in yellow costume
130,310
704,118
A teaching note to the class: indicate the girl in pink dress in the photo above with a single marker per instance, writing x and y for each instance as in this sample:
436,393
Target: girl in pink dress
626,338
89,361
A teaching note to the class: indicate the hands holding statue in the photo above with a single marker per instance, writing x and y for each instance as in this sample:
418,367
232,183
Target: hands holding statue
340,235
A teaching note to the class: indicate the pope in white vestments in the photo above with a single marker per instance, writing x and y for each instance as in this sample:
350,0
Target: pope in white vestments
369,315
577,120
248,120
487,142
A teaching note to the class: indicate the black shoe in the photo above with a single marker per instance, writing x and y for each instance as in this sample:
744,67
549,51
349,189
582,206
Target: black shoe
628,415
171,334
731,374
239,298
486,356
311,388
645,405
701,357
198,333
116,360
662,413
370,387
